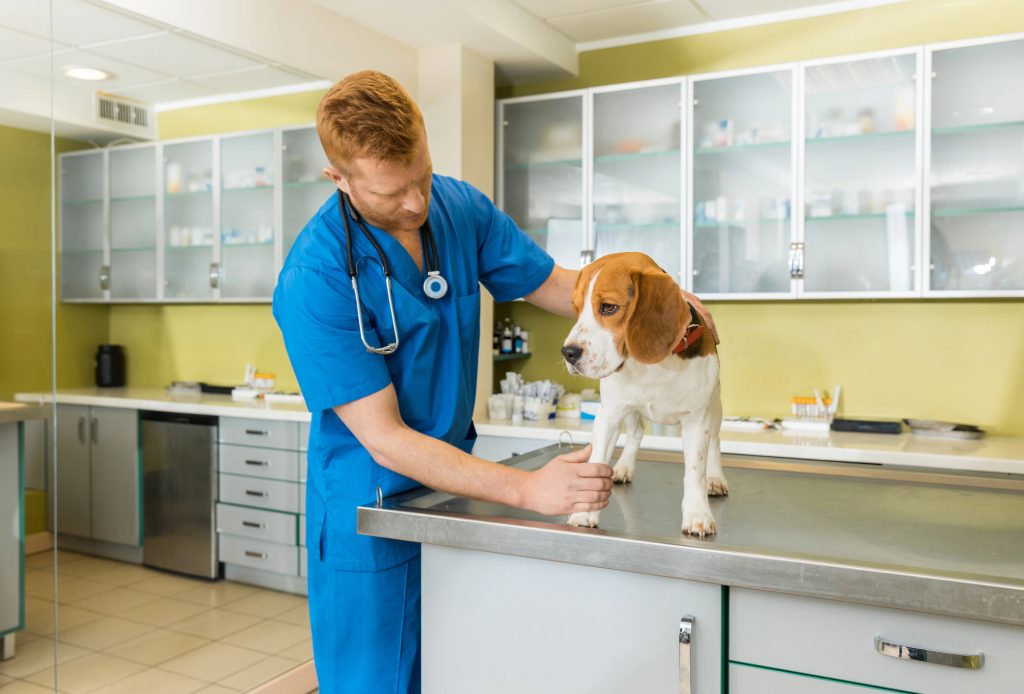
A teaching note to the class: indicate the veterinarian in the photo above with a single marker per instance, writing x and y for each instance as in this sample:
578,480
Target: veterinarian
379,305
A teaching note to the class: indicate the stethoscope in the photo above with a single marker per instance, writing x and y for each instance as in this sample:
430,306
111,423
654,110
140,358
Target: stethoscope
434,286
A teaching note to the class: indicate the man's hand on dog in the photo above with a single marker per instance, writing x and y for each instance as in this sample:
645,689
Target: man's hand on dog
569,484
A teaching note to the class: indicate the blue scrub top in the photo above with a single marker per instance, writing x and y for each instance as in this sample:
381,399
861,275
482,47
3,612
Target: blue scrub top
434,369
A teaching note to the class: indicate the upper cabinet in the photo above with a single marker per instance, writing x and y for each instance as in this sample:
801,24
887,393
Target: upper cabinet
742,172
861,179
199,220
976,170
541,180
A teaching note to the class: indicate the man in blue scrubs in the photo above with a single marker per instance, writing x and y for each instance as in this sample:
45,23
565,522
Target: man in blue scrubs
397,421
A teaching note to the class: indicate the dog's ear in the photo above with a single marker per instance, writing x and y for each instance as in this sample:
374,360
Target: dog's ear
658,317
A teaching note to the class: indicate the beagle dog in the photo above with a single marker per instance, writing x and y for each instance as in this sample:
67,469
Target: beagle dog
656,360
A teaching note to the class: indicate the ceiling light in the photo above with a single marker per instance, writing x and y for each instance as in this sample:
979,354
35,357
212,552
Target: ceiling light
85,73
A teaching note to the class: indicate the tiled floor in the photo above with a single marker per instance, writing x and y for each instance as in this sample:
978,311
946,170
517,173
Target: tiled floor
128,629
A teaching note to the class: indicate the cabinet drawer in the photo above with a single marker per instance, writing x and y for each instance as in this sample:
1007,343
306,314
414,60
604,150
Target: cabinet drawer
303,435
261,525
755,680
274,495
302,497
837,640
303,464
265,433
302,530
302,561
259,462
258,554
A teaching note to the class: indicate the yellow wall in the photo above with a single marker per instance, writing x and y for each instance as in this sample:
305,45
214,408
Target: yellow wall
25,276
956,360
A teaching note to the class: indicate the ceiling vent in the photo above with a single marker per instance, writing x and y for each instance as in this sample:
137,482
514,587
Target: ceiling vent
126,115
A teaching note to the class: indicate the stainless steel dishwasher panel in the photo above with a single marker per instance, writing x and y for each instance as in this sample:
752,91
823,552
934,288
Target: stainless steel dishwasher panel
179,454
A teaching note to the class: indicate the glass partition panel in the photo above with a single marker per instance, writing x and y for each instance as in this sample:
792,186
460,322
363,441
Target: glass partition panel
977,166
542,177
742,184
860,175
247,216
637,173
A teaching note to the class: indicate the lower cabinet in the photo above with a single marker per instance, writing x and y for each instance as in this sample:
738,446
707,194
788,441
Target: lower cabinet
836,642
745,679
98,478
261,504
507,625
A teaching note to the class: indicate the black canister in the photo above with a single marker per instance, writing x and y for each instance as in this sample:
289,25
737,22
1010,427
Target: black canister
110,366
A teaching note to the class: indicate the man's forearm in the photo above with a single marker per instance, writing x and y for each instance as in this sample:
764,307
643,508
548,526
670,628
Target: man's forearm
446,468
555,295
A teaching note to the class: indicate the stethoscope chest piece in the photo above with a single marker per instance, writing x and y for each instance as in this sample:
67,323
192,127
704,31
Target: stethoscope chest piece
435,286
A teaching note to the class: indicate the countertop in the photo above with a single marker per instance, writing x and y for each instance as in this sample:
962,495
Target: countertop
999,454
19,412
942,543
1002,454
160,400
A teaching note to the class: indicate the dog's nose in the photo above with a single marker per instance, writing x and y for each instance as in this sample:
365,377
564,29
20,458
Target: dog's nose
572,353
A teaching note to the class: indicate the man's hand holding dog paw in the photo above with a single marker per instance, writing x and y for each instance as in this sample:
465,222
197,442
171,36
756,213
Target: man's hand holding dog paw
568,484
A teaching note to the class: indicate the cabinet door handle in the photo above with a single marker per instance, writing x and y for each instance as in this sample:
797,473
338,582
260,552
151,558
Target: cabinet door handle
796,260
81,430
259,463
252,492
924,655
256,432
95,431
104,277
253,524
685,639
255,555
214,275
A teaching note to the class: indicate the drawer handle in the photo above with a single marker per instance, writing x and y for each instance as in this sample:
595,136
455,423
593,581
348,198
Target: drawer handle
255,555
252,492
257,432
923,655
260,463
685,639
253,524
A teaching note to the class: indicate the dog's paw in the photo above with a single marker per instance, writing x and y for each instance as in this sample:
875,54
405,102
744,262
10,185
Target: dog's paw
583,519
717,486
623,472
699,523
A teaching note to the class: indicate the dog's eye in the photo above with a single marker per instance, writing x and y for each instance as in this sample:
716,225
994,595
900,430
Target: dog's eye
608,309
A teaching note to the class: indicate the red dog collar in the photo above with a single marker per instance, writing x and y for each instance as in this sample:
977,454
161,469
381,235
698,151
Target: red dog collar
693,333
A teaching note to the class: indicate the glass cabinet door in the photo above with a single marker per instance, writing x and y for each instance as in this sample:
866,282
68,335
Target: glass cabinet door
976,177
133,262
189,270
542,181
247,216
741,129
637,168
860,176
82,225
306,188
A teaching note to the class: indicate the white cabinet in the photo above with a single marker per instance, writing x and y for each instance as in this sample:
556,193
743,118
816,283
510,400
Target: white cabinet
837,641
98,474
205,219
745,679
260,517
498,448
12,563
506,625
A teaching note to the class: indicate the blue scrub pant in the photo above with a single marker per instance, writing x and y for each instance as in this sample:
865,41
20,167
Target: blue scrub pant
366,628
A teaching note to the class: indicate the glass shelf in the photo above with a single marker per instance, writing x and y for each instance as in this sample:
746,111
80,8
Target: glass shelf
624,226
254,244
245,189
852,217
71,251
861,137
633,156
956,129
552,163
970,211
189,247
84,201
742,148
188,193
132,198
307,184
138,249
739,223
511,357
